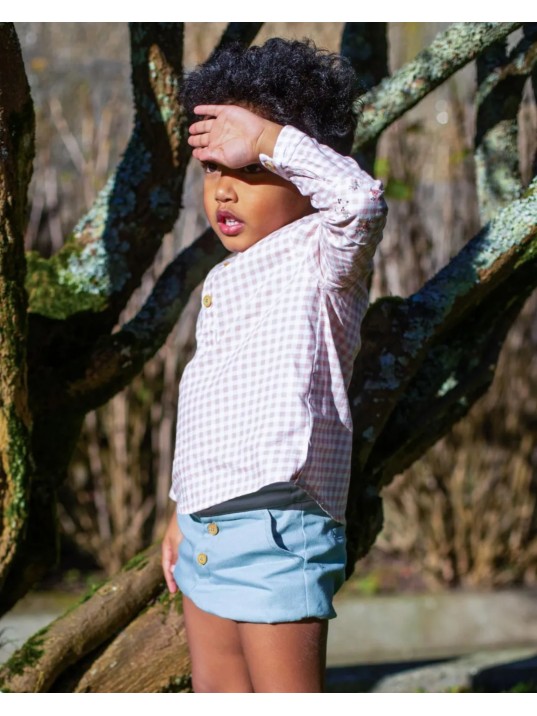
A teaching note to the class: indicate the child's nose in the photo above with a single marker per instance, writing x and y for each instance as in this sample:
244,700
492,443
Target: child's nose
225,189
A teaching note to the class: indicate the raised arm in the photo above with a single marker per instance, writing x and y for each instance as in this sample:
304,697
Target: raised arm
231,135
352,211
350,203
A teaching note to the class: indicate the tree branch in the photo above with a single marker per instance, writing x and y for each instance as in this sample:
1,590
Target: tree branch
37,665
119,357
113,245
504,246
529,29
150,655
422,379
501,82
365,44
16,152
451,50
243,32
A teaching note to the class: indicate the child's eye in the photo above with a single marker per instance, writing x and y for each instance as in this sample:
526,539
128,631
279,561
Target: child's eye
253,169
209,167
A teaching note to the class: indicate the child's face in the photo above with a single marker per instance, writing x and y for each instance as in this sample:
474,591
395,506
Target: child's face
245,205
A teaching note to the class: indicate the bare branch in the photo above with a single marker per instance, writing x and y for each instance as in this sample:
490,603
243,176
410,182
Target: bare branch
451,50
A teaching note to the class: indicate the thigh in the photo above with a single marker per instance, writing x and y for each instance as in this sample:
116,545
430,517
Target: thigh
218,663
287,657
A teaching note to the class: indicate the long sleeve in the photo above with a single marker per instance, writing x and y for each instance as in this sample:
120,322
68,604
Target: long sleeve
352,211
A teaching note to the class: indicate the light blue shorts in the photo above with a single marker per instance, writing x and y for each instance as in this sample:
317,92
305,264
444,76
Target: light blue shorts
269,565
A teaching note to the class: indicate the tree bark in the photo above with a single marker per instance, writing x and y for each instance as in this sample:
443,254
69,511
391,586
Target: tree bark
241,32
154,649
75,297
117,358
457,46
501,80
365,44
100,621
16,152
111,247
425,360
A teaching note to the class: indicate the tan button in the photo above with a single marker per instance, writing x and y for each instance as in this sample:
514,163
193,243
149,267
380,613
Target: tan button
202,558
207,300
226,263
212,528
268,164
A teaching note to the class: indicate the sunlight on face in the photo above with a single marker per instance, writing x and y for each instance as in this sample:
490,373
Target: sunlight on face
245,205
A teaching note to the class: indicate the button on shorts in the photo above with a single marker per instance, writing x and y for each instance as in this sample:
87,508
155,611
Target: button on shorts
268,566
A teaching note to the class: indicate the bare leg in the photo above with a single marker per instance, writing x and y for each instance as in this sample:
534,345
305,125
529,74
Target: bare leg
218,663
285,658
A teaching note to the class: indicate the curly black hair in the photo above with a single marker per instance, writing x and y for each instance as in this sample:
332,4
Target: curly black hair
285,81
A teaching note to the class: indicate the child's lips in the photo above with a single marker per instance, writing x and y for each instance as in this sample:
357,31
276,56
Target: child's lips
228,223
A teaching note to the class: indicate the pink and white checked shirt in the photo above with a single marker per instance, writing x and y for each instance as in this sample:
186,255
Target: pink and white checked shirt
264,399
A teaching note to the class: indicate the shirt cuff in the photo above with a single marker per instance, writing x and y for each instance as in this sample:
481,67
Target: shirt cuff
286,144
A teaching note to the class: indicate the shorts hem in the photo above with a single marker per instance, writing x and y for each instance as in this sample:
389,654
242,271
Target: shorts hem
250,618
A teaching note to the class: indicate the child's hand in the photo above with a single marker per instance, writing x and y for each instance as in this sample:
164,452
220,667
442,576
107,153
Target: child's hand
231,135
170,545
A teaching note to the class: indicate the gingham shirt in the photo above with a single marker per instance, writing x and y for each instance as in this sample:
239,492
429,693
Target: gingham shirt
264,399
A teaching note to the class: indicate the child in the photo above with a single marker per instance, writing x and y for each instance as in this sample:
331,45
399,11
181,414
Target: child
264,429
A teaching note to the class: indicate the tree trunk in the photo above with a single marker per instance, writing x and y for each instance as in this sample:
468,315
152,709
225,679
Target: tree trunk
16,152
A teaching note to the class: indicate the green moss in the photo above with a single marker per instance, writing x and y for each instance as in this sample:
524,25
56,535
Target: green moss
92,589
53,290
137,562
27,656
19,462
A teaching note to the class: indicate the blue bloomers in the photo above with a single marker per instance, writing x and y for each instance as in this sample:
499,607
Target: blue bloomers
268,565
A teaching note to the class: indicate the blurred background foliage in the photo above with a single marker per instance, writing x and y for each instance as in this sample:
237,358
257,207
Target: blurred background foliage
463,515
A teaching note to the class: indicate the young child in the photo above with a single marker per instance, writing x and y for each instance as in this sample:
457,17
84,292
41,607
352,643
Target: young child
264,430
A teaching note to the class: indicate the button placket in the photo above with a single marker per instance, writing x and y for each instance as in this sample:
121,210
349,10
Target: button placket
208,311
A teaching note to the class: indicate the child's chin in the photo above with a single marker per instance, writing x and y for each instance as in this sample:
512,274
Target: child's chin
237,244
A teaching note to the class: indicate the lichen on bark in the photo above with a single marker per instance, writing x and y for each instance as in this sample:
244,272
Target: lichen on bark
501,78
113,244
16,151
451,50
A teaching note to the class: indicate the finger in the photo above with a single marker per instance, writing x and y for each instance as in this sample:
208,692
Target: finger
167,569
203,154
201,127
200,155
212,110
198,140
170,581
